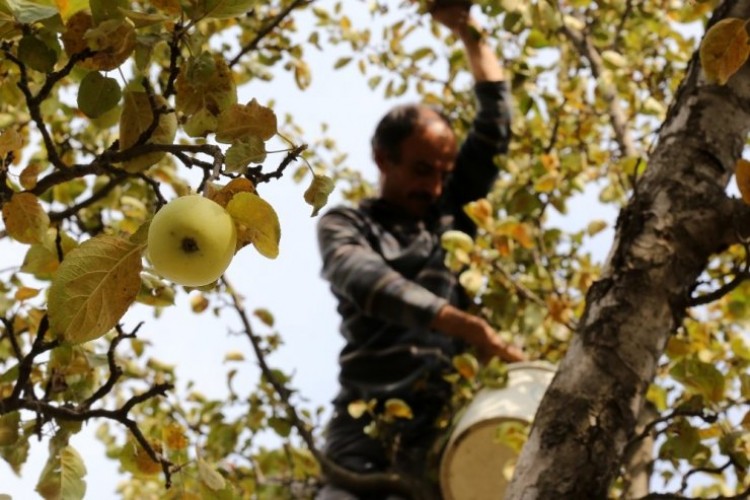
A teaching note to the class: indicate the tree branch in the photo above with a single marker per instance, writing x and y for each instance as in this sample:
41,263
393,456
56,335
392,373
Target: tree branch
609,93
268,28
341,476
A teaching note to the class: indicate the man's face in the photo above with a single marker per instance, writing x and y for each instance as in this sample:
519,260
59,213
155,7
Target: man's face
414,181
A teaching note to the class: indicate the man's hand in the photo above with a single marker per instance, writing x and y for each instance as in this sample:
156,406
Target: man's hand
453,14
476,332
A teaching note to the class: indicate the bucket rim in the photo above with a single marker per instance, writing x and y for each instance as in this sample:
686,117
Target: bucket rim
538,364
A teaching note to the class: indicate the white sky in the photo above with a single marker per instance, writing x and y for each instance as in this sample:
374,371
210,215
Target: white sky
289,286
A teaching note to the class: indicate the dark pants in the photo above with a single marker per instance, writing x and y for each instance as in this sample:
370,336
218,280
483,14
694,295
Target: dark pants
349,447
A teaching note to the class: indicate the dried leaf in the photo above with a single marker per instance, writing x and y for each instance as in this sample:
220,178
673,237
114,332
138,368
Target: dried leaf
93,287
136,118
724,49
257,223
10,140
240,121
205,83
25,218
173,435
742,178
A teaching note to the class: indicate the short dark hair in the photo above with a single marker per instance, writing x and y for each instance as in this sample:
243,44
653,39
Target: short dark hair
397,125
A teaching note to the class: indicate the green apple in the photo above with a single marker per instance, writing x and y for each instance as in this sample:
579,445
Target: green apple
191,241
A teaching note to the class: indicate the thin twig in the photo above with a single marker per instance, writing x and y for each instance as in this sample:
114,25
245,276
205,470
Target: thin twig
267,29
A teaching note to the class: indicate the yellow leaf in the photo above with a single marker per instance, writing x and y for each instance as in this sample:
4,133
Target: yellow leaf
173,435
471,280
480,212
41,260
742,177
198,303
265,316
25,292
69,7
29,175
546,183
318,192
62,476
223,195
358,408
25,218
257,223
234,356
93,287
239,121
466,365
136,118
398,408
10,140
550,162
724,49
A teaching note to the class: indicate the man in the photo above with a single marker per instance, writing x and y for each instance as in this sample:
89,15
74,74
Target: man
402,310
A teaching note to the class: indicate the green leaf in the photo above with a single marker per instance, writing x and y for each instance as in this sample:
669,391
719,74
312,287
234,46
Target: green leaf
341,62
101,10
512,434
318,191
36,54
281,426
9,425
199,9
31,11
62,476
94,286
702,378
243,151
98,94
209,476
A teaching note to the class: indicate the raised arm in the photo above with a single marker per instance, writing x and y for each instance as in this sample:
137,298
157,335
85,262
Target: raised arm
455,15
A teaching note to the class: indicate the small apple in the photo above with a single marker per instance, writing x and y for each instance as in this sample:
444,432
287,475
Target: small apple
191,240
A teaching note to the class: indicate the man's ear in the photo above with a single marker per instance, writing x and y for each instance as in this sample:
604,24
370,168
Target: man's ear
380,158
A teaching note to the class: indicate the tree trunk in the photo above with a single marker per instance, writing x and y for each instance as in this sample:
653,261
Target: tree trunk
678,217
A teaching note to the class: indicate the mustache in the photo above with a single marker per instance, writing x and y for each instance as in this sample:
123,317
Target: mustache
422,197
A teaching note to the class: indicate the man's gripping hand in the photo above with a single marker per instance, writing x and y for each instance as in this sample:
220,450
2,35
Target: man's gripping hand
476,332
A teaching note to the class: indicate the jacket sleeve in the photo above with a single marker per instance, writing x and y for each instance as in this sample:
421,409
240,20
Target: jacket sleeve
359,274
475,170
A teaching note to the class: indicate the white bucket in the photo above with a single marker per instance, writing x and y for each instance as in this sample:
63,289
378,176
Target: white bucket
473,462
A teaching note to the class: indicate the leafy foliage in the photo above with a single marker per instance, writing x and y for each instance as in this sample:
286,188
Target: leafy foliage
155,98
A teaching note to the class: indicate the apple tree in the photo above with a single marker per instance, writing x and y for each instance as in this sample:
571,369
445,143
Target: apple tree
109,110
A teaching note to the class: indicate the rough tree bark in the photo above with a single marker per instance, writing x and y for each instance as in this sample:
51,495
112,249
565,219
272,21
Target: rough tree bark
679,215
